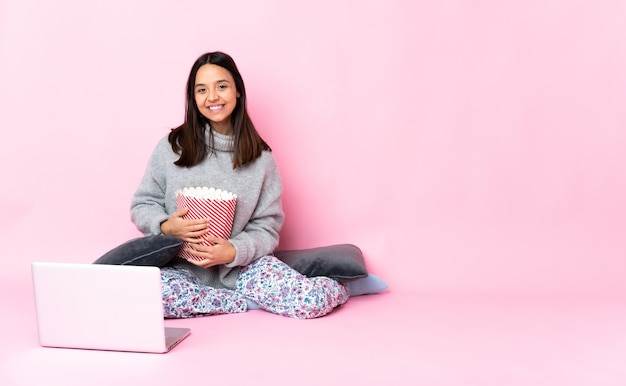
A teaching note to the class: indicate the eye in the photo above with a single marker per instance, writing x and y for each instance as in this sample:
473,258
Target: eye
201,90
222,87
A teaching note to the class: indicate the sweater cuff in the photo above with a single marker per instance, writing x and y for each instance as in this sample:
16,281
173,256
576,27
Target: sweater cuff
156,227
241,255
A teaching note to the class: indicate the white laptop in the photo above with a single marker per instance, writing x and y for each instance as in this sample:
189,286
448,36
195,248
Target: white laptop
102,307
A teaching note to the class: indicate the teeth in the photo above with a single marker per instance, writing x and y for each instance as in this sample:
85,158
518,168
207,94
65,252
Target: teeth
214,108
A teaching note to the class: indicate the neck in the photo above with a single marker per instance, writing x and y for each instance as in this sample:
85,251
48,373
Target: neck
225,128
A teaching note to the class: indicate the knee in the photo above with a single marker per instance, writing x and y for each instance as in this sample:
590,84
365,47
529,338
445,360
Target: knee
320,302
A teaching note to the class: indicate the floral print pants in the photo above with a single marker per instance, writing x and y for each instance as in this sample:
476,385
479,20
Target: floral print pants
267,281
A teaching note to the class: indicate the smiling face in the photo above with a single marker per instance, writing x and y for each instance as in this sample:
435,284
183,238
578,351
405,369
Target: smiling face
216,96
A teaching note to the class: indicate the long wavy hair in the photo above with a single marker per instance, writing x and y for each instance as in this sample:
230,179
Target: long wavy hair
189,139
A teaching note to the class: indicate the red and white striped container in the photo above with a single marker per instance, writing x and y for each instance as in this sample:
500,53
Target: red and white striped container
215,204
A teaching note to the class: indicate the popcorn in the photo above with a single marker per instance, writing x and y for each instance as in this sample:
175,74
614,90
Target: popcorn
215,204
207,193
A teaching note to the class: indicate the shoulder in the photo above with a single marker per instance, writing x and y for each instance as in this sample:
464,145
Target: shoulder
265,164
267,156
163,151
267,160
271,167
163,146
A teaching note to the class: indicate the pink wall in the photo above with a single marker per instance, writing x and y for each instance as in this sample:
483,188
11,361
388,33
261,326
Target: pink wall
465,145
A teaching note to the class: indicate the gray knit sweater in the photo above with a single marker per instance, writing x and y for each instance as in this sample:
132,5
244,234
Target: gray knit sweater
258,216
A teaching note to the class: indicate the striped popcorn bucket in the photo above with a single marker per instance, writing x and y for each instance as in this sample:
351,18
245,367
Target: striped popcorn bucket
216,205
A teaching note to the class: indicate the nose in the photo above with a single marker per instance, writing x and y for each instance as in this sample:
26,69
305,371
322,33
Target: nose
211,95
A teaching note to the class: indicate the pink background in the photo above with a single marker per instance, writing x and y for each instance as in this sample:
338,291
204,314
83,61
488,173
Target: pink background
474,150
465,146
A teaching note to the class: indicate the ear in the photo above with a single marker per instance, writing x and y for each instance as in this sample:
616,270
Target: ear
238,95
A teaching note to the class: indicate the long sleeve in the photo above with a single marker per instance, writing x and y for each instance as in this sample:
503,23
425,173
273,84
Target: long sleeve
260,235
148,209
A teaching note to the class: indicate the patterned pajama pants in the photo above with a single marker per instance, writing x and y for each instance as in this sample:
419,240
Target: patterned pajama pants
269,282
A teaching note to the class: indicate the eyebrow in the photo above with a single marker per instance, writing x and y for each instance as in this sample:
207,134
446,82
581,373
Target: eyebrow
219,81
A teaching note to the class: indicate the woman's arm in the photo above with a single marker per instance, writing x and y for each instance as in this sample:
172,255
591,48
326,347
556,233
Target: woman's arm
147,208
260,236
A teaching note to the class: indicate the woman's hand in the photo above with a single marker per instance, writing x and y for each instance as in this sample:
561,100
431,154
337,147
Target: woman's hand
221,252
186,230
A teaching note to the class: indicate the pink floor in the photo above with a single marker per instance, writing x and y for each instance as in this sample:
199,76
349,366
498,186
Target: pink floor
394,338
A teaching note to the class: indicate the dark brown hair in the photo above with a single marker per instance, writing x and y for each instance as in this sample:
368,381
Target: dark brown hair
188,139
